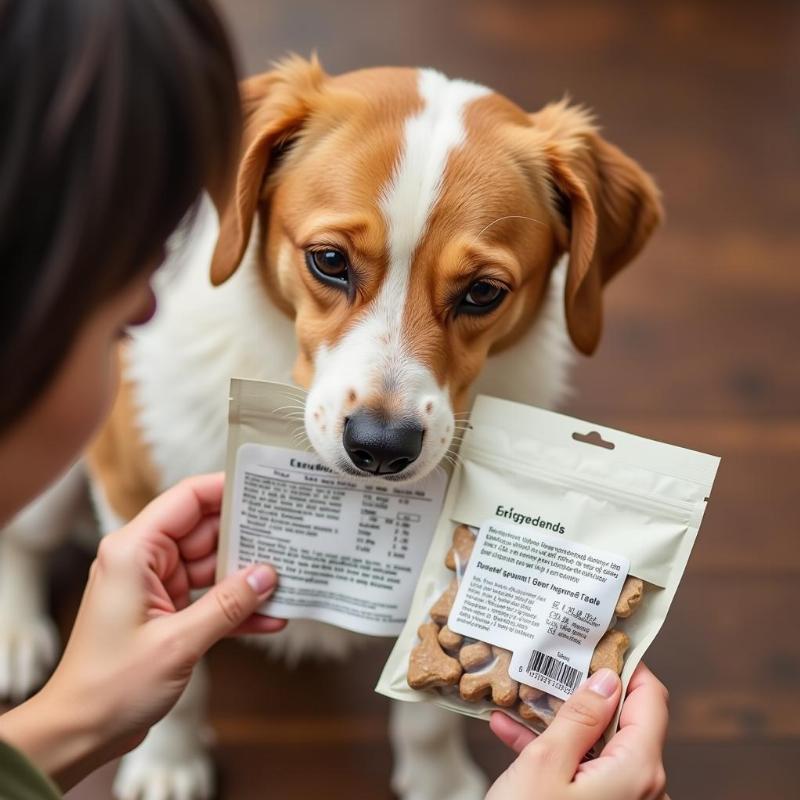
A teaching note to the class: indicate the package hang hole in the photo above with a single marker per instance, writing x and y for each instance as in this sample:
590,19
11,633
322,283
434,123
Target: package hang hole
593,437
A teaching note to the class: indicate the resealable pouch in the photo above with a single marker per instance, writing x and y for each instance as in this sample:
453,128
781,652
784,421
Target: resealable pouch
348,551
558,551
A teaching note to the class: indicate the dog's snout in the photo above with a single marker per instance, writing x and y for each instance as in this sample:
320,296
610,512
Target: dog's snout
380,446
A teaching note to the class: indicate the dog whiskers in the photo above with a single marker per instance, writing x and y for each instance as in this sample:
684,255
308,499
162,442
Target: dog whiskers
293,408
509,216
453,450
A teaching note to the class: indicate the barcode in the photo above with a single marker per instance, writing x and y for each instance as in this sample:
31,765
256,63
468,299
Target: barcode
561,672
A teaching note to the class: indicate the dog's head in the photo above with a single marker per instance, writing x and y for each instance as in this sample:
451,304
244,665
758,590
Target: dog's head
410,225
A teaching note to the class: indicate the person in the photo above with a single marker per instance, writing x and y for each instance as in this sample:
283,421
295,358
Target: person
117,114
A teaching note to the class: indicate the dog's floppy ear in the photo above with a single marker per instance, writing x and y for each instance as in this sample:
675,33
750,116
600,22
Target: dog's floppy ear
274,107
607,207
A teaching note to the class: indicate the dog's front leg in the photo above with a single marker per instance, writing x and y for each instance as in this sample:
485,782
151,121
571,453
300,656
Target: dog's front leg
431,759
28,637
173,762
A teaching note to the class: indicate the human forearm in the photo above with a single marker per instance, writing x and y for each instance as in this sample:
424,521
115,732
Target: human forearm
61,738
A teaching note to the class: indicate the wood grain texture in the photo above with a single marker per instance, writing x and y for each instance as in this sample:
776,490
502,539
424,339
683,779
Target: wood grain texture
700,349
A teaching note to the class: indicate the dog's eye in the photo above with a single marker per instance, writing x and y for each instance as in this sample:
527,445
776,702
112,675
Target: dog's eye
482,297
329,265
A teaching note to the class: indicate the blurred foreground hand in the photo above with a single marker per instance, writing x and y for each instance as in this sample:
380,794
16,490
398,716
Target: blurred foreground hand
137,637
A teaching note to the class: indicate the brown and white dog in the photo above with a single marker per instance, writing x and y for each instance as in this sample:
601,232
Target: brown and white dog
395,241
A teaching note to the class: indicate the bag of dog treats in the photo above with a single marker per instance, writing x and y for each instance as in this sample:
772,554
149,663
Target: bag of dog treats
348,552
559,549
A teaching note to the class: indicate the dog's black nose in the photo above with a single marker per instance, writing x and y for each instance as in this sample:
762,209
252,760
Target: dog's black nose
379,446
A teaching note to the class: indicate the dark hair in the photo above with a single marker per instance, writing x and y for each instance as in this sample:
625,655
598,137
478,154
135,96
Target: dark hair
114,114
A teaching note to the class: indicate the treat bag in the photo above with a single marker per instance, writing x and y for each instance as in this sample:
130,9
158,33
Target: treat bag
559,549
348,551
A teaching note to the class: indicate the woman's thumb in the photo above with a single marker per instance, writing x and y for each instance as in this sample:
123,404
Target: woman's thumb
579,723
227,605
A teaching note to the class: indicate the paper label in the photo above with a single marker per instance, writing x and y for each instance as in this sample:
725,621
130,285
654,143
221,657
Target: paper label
348,553
545,598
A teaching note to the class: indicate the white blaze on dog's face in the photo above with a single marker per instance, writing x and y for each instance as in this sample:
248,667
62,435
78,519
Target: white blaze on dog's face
410,227
376,402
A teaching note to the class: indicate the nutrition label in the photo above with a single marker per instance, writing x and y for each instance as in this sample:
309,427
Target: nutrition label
546,598
347,552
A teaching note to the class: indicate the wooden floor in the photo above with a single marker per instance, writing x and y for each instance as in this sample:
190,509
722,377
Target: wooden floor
700,350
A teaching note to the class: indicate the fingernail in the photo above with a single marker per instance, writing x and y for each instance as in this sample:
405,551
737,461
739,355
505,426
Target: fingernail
262,579
604,682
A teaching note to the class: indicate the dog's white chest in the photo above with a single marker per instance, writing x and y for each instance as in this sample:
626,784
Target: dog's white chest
202,336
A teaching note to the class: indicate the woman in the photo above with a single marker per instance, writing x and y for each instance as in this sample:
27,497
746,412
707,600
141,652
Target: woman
116,114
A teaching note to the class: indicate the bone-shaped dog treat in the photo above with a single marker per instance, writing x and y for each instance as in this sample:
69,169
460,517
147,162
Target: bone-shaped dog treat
494,681
629,597
476,655
610,651
536,705
429,665
528,695
555,703
450,640
532,713
458,555
444,605
481,670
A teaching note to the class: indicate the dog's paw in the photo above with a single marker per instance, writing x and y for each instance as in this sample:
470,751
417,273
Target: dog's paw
431,779
143,775
28,651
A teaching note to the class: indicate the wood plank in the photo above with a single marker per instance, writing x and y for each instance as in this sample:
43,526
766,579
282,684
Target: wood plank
730,632
724,771
704,715
727,358
695,771
744,714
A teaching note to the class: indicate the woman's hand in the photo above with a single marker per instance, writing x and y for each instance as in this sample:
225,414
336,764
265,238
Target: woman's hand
629,768
137,637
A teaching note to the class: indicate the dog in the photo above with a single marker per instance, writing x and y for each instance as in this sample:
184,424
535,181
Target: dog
395,241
